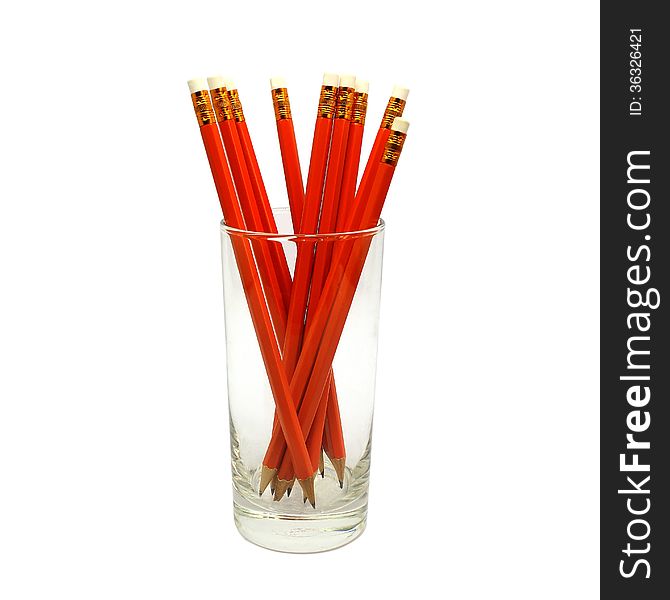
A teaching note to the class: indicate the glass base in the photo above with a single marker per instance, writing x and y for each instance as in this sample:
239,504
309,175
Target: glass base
299,536
293,526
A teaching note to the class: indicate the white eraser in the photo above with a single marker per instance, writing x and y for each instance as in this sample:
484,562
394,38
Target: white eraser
216,82
229,83
197,85
400,124
400,92
347,81
362,86
331,79
277,82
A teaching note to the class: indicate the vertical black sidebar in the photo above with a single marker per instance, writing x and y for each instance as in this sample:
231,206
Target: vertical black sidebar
635,297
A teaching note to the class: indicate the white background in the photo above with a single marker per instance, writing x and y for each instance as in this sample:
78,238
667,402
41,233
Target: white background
114,476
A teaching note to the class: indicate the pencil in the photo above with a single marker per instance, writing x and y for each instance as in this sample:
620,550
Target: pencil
327,224
288,148
267,219
253,289
238,144
332,188
344,103
353,153
333,431
394,108
310,219
322,337
305,253
250,208
295,192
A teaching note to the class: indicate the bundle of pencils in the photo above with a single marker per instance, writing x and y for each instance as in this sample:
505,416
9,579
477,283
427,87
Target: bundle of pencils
299,320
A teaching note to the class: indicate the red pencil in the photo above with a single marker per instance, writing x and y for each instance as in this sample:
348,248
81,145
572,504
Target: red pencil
333,434
331,194
394,108
252,285
322,337
310,218
289,149
344,107
305,255
250,208
353,154
267,219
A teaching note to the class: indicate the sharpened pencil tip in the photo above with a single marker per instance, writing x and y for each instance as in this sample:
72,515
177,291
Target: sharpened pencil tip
338,464
307,486
267,475
280,488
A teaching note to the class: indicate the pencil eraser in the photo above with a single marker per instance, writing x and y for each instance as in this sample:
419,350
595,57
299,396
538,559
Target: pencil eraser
400,92
347,81
400,124
197,85
362,86
331,79
277,82
229,83
215,82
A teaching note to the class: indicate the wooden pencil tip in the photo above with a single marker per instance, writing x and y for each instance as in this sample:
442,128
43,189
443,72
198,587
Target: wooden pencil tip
338,464
267,475
322,467
307,486
280,488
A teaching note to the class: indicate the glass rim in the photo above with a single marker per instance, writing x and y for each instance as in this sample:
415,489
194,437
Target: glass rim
338,235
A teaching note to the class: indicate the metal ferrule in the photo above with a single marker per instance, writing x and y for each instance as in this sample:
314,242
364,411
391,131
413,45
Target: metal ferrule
202,104
393,148
281,104
360,107
234,99
345,103
394,109
222,108
327,101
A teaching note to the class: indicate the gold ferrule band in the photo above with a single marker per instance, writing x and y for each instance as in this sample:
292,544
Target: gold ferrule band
345,103
236,105
202,104
281,104
394,109
360,108
393,148
327,101
222,108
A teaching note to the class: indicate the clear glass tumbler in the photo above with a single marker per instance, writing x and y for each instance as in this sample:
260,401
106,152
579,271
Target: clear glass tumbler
290,524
